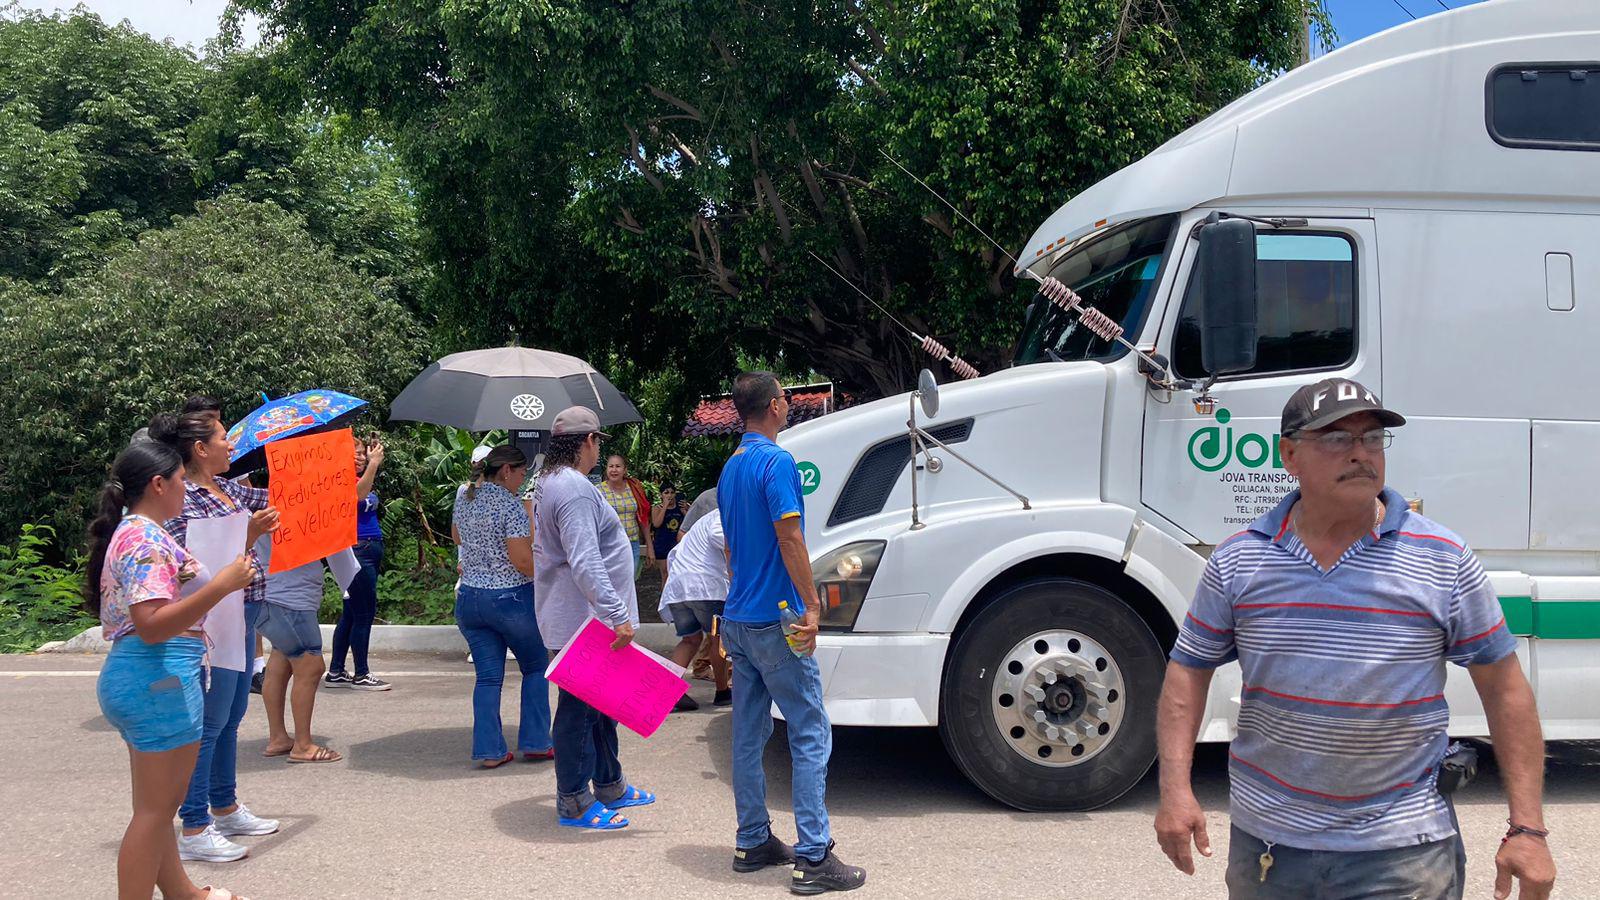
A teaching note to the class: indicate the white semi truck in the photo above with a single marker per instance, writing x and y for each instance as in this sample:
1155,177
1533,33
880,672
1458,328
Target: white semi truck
1419,211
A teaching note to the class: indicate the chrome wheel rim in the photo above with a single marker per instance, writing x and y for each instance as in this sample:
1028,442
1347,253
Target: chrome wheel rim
1058,698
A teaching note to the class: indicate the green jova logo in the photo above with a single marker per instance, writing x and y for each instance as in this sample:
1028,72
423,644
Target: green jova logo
810,477
1213,447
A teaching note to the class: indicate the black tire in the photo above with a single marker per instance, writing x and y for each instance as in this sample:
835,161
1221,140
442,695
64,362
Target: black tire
967,723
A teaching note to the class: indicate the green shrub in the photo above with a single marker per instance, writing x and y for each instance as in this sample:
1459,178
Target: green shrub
38,602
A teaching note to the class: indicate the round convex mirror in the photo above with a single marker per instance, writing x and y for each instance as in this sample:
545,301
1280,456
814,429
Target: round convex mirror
928,389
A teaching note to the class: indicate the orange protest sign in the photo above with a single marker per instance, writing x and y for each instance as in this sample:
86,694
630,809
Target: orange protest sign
314,488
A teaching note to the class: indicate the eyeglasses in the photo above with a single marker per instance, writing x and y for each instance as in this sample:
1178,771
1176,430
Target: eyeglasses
1345,441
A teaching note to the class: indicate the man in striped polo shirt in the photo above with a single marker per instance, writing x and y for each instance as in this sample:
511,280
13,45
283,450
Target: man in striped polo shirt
1342,607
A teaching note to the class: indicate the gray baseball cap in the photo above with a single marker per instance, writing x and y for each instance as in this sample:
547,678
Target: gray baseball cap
577,420
1329,400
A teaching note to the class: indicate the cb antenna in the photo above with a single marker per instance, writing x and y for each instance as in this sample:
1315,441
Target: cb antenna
933,348
1097,322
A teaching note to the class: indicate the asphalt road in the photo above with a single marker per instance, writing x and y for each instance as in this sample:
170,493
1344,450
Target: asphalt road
407,814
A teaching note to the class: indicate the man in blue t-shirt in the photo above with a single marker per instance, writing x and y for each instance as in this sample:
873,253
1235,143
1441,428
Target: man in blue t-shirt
764,521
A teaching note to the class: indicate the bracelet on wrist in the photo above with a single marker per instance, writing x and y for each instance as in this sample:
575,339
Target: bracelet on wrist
1515,829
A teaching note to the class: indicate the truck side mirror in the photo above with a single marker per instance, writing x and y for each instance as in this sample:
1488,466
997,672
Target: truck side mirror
1227,263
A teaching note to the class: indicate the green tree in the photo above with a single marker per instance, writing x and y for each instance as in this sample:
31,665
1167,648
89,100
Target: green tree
261,138
93,146
233,301
623,178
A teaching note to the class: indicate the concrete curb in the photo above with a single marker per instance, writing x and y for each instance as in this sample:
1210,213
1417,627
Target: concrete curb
437,639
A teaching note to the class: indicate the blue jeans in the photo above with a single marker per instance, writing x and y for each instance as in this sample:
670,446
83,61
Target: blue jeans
354,631
492,619
765,671
214,784
586,754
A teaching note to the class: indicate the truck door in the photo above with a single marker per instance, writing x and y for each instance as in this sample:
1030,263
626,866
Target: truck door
1317,315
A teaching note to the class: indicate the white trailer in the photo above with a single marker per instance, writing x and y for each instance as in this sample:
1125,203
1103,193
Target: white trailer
1427,221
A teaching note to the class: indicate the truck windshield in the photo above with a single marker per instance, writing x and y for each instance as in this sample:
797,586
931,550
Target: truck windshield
1116,274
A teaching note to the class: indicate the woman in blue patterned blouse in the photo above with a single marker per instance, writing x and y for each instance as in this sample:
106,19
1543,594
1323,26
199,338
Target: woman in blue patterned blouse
494,608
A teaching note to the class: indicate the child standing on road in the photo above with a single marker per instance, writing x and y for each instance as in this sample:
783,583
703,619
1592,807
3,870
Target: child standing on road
151,597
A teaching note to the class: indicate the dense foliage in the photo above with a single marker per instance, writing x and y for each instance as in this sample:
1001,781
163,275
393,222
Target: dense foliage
39,601
235,300
93,141
651,178
648,185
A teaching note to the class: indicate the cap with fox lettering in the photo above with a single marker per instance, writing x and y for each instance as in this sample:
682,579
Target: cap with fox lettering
1329,400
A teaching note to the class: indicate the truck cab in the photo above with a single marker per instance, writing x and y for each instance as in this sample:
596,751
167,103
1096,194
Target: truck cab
1420,212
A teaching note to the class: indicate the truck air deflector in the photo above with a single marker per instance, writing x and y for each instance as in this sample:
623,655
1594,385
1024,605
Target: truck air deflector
867,488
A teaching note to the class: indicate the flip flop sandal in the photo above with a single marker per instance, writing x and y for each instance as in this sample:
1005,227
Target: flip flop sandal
496,763
540,755
320,755
216,893
632,796
598,817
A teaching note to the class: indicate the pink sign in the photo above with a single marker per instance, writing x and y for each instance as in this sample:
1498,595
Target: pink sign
636,687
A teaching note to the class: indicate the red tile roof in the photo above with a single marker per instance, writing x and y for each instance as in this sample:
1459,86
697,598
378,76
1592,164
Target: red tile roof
716,416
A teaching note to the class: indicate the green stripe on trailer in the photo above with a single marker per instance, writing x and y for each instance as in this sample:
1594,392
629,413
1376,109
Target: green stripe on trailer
1566,620
1519,614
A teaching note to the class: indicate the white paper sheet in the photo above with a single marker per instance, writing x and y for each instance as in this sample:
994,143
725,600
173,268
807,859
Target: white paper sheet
216,543
345,567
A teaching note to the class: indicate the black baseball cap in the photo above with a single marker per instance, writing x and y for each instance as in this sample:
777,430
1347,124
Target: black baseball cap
1329,400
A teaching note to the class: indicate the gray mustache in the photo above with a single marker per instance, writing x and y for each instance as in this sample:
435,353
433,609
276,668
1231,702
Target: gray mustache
1363,472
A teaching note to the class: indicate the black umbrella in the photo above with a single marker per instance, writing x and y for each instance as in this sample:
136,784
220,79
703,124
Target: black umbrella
516,388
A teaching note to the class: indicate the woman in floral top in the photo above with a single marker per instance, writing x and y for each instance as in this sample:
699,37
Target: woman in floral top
211,812
151,597
494,607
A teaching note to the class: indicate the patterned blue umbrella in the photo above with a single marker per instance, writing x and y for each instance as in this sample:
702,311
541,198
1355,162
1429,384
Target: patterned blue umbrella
287,417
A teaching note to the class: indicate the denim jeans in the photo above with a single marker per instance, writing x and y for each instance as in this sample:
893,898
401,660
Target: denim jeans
586,754
492,619
214,784
1432,871
766,671
354,631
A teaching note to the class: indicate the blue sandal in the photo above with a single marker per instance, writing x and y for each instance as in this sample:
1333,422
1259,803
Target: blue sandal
632,796
598,817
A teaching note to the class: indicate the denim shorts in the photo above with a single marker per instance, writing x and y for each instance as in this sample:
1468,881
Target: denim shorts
694,616
153,693
292,632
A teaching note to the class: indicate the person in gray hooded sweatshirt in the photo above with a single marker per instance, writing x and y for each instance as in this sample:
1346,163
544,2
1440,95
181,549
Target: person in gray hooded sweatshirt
583,564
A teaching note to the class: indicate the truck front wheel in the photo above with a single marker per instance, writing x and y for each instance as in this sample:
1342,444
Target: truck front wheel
1049,699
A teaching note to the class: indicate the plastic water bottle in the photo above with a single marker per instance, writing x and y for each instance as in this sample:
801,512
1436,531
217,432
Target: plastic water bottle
789,619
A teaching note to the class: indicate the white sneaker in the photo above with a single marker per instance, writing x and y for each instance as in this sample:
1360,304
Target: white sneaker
243,821
209,846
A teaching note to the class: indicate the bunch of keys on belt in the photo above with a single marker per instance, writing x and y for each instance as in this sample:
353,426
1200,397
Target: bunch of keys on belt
1266,861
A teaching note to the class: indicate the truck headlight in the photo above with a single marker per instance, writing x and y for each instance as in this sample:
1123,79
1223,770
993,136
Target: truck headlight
842,577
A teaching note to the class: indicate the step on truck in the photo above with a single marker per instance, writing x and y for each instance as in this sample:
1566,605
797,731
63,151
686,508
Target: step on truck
1418,211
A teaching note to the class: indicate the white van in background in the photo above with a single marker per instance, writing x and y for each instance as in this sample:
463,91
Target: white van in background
1419,211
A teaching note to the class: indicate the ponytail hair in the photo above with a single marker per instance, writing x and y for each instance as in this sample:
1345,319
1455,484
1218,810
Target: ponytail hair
182,432
129,478
477,479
